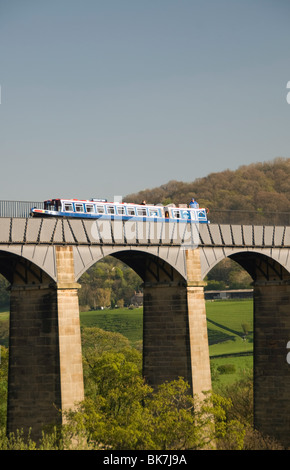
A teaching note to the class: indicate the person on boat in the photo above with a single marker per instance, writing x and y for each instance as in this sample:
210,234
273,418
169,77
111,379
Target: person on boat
193,204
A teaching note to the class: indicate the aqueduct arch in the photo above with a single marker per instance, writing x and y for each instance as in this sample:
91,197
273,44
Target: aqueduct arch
271,284
174,321
175,342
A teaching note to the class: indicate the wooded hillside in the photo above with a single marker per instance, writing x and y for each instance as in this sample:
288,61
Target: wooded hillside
263,187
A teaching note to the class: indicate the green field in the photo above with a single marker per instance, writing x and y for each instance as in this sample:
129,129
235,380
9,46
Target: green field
227,342
243,366
122,320
4,313
225,331
224,319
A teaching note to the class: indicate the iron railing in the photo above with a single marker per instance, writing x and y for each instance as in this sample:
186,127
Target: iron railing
18,208
243,217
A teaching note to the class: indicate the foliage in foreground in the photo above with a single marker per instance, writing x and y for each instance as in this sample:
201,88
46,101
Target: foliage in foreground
122,412
138,419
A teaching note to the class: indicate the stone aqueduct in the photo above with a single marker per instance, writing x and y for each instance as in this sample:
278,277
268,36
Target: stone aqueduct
43,260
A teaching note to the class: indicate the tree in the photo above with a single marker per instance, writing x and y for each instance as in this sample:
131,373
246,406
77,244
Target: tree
102,297
257,186
241,396
173,418
119,281
228,274
113,411
246,328
123,412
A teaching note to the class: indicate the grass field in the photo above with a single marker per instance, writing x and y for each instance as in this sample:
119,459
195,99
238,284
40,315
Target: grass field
243,366
225,331
224,318
4,313
122,320
227,341
227,344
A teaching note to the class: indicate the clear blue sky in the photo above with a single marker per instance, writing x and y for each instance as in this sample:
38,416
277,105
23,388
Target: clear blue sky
108,97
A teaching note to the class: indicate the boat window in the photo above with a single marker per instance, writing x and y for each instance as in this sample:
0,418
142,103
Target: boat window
89,208
153,212
57,204
176,214
185,214
131,210
201,214
79,207
121,210
68,207
111,209
100,209
141,211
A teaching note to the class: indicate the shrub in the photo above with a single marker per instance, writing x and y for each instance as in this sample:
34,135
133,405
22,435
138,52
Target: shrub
227,369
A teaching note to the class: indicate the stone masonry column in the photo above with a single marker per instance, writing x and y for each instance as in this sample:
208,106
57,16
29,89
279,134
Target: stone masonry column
33,376
175,342
198,336
45,360
166,349
70,353
272,359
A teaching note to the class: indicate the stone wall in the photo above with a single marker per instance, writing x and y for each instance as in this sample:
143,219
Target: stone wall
271,369
175,342
34,379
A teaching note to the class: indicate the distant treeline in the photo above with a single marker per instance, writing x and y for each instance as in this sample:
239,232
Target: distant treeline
108,283
259,187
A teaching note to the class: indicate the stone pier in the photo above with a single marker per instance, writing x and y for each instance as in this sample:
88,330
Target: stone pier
45,363
175,341
271,365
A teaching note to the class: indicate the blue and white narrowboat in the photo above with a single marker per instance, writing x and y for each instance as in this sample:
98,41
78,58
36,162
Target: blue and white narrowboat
102,209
